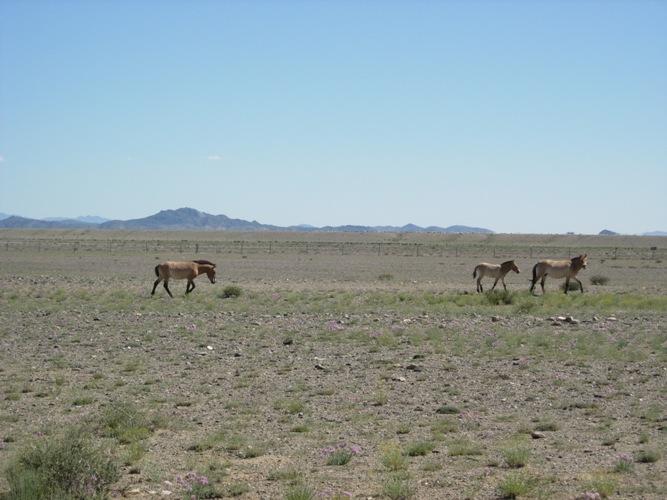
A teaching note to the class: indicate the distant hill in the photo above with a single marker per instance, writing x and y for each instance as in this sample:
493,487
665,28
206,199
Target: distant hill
191,219
16,222
90,219
4,216
655,233
607,232
187,218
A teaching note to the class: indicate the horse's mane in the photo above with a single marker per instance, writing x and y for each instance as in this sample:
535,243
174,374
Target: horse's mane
204,262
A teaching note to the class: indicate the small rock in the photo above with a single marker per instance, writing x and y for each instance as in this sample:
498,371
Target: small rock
611,318
561,318
210,348
414,368
555,323
495,319
319,366
134,491
537,435
165,493
237,354
595,318
288,342
397,378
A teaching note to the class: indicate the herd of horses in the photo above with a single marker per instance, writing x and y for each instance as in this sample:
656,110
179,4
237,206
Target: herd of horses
567,268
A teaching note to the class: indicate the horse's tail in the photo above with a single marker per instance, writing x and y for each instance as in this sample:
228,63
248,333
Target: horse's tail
157,270
535,273
474,273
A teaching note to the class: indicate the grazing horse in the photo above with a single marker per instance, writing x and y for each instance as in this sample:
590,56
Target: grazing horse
567,269
188,270
494,271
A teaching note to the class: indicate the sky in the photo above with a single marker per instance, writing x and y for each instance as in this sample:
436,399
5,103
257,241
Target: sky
518,116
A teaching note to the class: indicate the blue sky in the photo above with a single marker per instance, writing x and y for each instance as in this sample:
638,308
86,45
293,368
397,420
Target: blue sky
524,116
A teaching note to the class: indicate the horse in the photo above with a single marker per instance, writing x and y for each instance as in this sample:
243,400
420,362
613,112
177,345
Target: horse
567,269
494,271
188,270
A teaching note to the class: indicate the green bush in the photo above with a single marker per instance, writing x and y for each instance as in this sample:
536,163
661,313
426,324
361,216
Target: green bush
64,466
598,279
231,291
498,298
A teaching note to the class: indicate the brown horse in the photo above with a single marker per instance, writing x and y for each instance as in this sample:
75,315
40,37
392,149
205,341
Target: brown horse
188,270
567,269
494,271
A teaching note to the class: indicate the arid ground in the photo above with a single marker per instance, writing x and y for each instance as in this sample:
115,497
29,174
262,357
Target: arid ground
360,366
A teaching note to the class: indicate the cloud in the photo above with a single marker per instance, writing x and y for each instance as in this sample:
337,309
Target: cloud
214,157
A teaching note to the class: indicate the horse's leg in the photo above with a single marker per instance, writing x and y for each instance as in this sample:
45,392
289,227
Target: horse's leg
494,284
479,284
504,285
157,282
167,288
580,284
544,277
567,284
190,286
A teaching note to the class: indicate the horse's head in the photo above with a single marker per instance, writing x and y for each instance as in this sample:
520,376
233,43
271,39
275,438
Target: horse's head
580,261
211,274
509,266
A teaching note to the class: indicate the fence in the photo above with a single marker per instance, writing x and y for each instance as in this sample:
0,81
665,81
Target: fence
244,247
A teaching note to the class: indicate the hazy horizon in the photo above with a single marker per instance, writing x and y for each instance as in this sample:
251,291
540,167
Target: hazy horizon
521,117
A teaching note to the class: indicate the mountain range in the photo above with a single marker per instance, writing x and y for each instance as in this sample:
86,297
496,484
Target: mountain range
191,219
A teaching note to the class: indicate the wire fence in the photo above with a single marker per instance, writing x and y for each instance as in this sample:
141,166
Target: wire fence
281,247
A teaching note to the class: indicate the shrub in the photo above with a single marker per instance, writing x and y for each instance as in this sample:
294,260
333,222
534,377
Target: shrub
392,458
386,277
419,448
231,291
63,466
515,485
598,279
339,457
397,488
463,446
300,492
573,286
448,410
497,298
648,456
623,463
125,423
516,457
